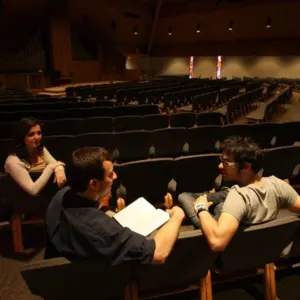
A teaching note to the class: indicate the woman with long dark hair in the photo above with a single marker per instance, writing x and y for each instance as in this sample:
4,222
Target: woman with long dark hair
29,154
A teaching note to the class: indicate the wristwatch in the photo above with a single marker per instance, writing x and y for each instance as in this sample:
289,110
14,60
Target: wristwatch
200,207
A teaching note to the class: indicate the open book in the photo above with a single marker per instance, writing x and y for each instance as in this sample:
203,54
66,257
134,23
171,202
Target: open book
142,217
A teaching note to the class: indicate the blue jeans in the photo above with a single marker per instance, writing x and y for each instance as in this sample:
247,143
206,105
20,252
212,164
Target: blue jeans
187,201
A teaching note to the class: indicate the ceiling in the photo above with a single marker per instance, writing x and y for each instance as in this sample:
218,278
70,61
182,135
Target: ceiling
114,21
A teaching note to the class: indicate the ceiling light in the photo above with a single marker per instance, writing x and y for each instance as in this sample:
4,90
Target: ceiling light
230,27
170,32
135,30
198,28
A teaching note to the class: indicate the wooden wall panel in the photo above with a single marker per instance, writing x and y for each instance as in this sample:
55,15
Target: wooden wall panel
61,45
86,71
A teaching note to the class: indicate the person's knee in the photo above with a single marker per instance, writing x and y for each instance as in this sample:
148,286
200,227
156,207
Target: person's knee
183,198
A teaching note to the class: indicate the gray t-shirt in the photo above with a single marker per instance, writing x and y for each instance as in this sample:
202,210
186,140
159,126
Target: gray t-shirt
256,203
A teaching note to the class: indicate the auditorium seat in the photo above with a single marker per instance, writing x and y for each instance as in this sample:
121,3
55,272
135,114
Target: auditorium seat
287,134
5,145
209,118
77,113
77,279
203,139
168,142
264,134
156,121
182,120
7,129
254,249
97,124
60,147
127,123
196,173
132,145
22,203
146,178
184,269
96,139
243,130
282,162
70,126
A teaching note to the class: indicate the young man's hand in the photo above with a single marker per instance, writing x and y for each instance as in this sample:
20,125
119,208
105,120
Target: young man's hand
176,212
203,199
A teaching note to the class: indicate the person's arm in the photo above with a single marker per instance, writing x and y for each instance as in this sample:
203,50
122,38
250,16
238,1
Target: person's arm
50,159
60,175
219,233
16,169
118,245
288,197
167,235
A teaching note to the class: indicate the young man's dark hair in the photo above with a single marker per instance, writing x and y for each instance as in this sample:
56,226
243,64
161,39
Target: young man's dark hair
243,150
87,164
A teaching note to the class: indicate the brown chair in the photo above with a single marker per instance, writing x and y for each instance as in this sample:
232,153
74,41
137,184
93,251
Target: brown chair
60,279
186,269
254,250
25,204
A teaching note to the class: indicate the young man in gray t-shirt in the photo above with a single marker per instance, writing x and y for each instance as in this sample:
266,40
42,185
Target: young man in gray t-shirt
252,200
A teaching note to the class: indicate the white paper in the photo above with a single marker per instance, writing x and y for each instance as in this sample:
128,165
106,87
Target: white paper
142,217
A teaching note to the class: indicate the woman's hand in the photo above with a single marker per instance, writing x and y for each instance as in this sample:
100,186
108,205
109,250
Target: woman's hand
60,178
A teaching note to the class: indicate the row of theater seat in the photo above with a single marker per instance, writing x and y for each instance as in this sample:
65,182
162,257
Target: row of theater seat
168,142
197,173
52,105
253,247
76,126
266,110
81,112
191,265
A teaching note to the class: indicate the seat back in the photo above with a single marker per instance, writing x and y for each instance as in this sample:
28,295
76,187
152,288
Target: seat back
168,142
203,139
127,123
188,262
146,178
59,278
97,124
196,173
281,162
71,126
258,245
22,202
209,118
96,139
132,145
61,146
182,120
156,121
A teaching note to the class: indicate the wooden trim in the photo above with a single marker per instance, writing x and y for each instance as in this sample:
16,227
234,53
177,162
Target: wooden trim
270,283
168,201
134,291
205,287
127,292
120,204
17,232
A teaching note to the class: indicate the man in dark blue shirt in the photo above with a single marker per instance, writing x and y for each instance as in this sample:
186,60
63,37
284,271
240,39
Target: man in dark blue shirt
77,228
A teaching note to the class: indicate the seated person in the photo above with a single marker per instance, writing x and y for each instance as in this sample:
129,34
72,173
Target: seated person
216,197
252,200
29,154
77,228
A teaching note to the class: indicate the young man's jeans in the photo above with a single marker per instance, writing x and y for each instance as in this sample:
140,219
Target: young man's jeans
187,201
